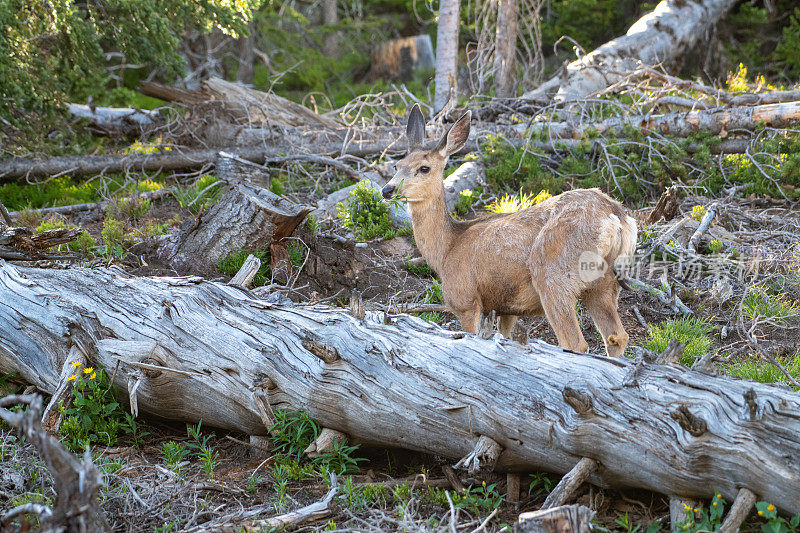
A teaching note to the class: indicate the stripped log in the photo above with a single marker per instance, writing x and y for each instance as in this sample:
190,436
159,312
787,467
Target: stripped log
660,36
113,120
407,384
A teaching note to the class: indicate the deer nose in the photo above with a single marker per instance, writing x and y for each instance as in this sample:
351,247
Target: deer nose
387,191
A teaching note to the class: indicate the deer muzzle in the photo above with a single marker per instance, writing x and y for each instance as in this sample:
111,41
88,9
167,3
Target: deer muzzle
388,191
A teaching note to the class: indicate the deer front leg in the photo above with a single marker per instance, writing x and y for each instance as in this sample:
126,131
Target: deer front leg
470,319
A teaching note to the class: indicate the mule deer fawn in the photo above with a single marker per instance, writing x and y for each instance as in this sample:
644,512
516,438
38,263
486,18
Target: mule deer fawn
535,261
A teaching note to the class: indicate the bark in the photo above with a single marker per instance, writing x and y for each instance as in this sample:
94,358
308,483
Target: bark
505,50
246,217
572,518
246,45
230,359
660,36
446,79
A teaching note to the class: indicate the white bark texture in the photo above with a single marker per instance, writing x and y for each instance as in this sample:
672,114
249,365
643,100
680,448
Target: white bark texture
230,359
660,36
446,79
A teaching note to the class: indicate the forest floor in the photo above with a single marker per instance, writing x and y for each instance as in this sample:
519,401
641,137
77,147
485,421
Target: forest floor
742,295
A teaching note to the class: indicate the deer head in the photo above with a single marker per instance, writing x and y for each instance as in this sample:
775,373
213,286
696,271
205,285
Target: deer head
419,174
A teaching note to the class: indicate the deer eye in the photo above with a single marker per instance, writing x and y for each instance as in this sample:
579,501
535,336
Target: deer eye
424,170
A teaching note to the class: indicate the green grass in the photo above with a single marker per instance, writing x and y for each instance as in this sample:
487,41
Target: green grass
756,369
65,191
693,332
759,303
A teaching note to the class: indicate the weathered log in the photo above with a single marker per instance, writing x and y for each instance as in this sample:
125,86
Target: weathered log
242,103
235,351
717,121
660,36
114,120
246,217
569,518
22,244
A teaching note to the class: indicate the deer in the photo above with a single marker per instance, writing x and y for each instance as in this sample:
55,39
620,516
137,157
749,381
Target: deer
536,261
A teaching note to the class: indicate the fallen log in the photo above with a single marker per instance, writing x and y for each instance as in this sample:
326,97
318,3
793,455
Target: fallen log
400,381
114,120
717,121
22,244
660,36
241,103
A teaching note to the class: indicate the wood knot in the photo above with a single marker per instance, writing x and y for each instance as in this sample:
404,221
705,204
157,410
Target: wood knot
691,423
580,401
329,354
752,405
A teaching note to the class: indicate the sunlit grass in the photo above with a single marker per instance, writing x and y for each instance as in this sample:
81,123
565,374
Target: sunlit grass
512,203
693,332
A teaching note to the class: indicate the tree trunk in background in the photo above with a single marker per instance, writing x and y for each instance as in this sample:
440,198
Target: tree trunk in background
505,50
246,57
446,53
330,16
660,36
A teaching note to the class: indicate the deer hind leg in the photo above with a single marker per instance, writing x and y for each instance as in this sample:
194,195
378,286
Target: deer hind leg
601,303
560,312
505,324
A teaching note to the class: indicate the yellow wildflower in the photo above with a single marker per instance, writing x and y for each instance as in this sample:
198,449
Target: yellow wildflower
714,504
761,513
770,507
719,495
94,375
484,483
76,364
686,507
72,377
88,370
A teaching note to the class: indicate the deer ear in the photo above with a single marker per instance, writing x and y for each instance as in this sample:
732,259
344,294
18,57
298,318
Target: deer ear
456,137
415,131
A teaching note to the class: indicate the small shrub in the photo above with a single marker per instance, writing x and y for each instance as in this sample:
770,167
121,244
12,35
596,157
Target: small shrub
113,234
715,246
126,208
484,498
466,198
339,459
297,253
293,432
698,212
200,195
693,332
420,269
510,170
29,218
433,296
312,225
775,523
366,214
174,453
94,416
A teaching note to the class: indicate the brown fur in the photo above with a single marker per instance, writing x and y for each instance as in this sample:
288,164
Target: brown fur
523,263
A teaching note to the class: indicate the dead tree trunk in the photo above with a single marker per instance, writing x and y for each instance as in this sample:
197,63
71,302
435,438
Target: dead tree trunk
446,80
246,217
660,36
505,49
221,355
